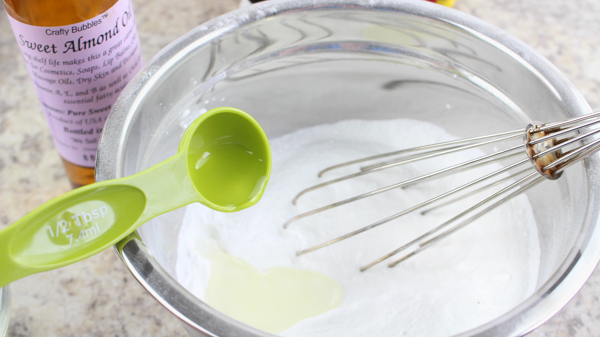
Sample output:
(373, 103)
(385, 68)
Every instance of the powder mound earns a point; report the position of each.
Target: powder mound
(463, 281)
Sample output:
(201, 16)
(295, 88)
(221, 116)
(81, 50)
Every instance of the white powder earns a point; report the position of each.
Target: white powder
(463, 281)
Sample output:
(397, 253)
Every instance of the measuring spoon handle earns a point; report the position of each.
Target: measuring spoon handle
(89, 219)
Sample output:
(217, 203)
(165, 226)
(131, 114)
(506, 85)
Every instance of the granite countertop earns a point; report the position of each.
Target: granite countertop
(98, 296)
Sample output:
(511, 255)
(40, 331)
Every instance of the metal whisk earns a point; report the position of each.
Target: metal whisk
(549, 149)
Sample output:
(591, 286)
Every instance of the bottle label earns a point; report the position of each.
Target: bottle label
(78, 72)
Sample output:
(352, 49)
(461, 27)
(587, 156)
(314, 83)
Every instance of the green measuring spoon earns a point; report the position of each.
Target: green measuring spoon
(224, 162)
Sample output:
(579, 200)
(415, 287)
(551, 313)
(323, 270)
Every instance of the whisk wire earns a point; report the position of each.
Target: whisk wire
(437, 146)
(393, 163)
(557, 125)
(479, 141)
(413, 208)
(571, 158)
(479, 214)
(397, 185)
(481, 189)
(431, 236)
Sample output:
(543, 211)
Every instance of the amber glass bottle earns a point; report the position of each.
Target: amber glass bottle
(80, 54)
(49, 13)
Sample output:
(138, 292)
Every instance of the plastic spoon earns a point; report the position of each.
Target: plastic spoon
(224, 162)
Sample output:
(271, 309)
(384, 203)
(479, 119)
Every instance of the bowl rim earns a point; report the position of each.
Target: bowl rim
(548, 299)
(4, 310)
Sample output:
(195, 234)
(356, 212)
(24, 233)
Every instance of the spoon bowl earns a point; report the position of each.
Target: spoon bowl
(230, 149)
(224, 162)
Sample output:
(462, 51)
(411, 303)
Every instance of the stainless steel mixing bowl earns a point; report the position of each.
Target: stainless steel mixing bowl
(295, 64)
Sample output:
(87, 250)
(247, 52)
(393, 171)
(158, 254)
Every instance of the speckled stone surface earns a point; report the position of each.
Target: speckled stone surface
(98, 296)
